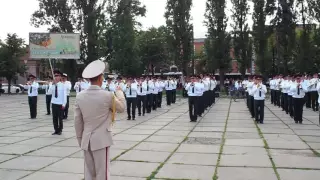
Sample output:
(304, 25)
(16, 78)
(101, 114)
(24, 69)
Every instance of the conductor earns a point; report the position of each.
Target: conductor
(93, 117)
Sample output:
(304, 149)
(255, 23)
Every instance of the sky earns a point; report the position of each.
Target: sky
(15, 16)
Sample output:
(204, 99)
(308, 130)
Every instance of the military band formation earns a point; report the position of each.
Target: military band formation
(98, 100)
(289, 92)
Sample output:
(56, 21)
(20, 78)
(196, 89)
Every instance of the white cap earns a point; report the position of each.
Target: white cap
(94, 69)
(65, 75)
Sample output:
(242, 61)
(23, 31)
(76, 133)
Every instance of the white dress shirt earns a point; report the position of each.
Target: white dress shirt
(161, 86)
(277, 84)
(61, 98)
(174, 84)
(150, 87)
(201, 86)
(213, 84)
(111, 87)
(68, 86)
(206, 83)
(298, 93)
(47, 87)
(193, 90)
(318, 89)
(155, 88)
(284, 86)
(133, 93)
(249, 88)
(259, 93)
(168, 85)
(77, 87)
(313, 84)
(289, 84)
(271, 84)
(142, 89)
(34, 92)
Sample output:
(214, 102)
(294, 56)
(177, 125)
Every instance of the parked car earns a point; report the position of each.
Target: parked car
(19, 86)
(13, 89)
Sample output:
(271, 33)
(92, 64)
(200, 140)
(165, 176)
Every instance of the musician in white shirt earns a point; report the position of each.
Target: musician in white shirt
(313, 92)
(193, 89)
(251, 98)
(306, 81)
(33, 96)
(290, 98)
(68, 86)
(142, 95)
(298, 90)
(130, 91)
(47, 87)
(213, 85)
(154, 93)
(200, 93)
(174, 90)
(58, 102)
(150, 87)
(259, 91)
(169, 86)
(77, 86)
(272, 89)
(284, 97)
(160, 90)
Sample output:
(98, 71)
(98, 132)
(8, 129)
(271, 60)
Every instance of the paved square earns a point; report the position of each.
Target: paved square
(165, 145)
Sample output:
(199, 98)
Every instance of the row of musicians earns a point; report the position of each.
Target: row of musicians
(201, 95)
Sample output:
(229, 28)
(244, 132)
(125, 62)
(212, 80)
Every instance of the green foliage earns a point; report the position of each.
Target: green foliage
(218, 40)
(260, 34)
(153, 49)
(180, 31)
(125, 59)
(241, 34)
(10, 52)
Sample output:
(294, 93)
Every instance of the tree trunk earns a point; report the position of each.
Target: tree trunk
(9, 84)
(222, 76)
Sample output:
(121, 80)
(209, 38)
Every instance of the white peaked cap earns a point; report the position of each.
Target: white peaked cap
(94, 69)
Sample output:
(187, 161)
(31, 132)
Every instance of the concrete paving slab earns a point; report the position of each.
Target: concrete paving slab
(67, 165)
(165, 139)
(9, 174)
(53, 176)
(194, 159)
(293, 161)
(31, 163)
(144, 156)
(179, 171)
(199, 148)
(153, 146)
(244, 142)
(252, 160)
(298, 174)
(239, 173)
(132, 169)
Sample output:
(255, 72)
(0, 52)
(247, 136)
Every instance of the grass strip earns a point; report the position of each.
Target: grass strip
(266, 146)
(215, 175)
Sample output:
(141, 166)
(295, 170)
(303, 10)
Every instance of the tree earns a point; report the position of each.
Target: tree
(153, 48)
(125, 58)
(180, 32)
(241, 34)
(10, 52)
(304, 44)
(284, 24)
(218, 40)
(260, 35)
